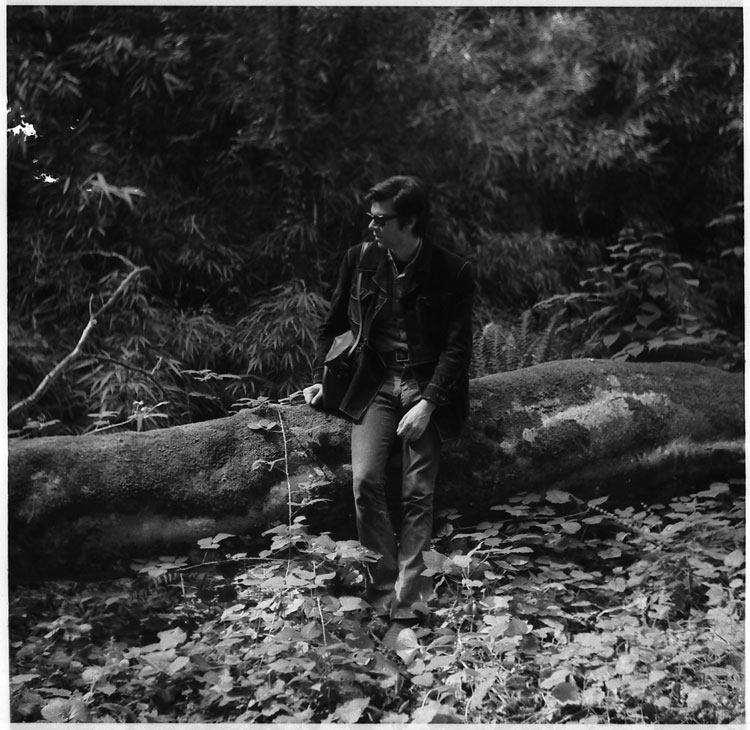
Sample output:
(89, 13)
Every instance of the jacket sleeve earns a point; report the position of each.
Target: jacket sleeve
(336, 320)
(453, 361)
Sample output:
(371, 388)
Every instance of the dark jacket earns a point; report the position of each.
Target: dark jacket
(437, 310)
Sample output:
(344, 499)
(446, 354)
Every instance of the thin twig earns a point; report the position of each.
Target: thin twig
(149, 375)
(322, 622)
(288, 486)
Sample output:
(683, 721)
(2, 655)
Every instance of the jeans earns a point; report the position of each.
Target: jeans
(395, 586)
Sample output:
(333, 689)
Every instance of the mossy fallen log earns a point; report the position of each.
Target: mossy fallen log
(591, 427)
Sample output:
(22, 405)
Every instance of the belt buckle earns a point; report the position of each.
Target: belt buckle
(402, 357)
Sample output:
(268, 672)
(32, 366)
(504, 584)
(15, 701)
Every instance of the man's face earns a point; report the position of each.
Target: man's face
(385, 230)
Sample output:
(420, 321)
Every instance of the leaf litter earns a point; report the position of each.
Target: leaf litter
(557, 611)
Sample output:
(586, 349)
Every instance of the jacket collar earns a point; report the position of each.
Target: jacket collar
(374, 261)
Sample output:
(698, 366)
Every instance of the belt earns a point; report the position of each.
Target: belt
(395, 357)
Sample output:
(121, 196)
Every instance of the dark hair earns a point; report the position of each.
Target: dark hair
(410, 200)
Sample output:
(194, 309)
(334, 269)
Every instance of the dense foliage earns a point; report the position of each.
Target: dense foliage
(553, 610)
(226, 149)
(588, 161)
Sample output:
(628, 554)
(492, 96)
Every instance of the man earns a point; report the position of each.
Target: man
(410, 302)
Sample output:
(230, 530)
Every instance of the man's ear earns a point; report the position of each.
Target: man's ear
(409, 225)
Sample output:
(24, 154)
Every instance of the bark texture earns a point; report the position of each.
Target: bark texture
(589, 426)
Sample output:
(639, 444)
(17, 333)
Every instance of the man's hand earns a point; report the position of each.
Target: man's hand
(415, 420)
(314, 395)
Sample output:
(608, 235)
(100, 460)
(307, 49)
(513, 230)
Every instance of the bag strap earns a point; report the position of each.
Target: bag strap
(355, 344)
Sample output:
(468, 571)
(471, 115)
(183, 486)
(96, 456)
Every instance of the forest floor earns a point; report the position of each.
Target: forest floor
(550, 611)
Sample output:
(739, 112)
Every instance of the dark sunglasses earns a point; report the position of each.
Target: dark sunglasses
(380, 220)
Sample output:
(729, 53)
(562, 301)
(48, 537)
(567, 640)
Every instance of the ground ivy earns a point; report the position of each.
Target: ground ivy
(554, 610)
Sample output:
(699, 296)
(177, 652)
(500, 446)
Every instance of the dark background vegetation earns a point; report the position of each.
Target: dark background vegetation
(588, 162)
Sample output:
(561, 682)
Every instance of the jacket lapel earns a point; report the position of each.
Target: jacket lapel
(422, 268)
(374, 267)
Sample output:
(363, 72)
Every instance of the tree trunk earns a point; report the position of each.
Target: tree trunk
(588, 426)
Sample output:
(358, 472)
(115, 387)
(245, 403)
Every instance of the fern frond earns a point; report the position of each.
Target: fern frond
(493, 343)
(525, 338)
(478, 365)
(512, 355)
(543, 349)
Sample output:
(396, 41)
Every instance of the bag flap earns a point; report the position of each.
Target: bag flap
(340, 347)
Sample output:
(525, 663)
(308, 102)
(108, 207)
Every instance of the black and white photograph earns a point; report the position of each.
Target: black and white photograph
(375, 364)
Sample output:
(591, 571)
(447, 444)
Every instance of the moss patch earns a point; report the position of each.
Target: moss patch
(555, 442)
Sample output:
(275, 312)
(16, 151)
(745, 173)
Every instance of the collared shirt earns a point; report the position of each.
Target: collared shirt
(389, 329)
(402, 276)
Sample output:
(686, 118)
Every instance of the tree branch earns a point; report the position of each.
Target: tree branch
(22, 406)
